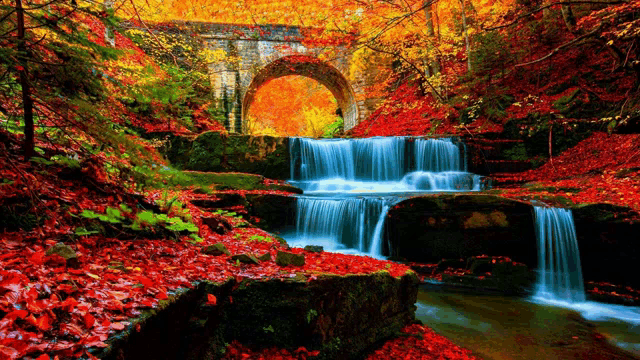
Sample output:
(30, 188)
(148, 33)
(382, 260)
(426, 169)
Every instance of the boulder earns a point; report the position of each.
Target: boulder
(276, 212)
(218, 224)
(608, 243)
(212, 151)
(216, 250)
(429, 228)
(314, 248)
(64, 251)
(284, 258)
(265, 257)
(246, 259)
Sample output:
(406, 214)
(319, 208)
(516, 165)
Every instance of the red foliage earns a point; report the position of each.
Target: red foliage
(47, 307)
(601, 168)
(421, 343)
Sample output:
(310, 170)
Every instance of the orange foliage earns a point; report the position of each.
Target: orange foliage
(292, 106)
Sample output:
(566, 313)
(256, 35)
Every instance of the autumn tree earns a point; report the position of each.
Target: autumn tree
(47, 57)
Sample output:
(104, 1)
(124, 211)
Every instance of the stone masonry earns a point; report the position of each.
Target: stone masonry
(267, 52)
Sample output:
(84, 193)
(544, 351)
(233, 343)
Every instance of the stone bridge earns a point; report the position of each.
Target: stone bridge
(266, 52)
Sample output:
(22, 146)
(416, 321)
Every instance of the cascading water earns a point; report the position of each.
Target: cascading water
(381, 165)
(560, 281)
(350, 184)
(560, 274)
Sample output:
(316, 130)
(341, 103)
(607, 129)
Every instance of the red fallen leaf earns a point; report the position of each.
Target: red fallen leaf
(89, 320)
(211, 300)
(71, 329)
(66, 288)
(43, 357)
(117, 326)
(8, 353)
(145, 281)
(21, 314)
(162, 295)
(38, 258)
(137, 327)
(69, 304)
(43, 322)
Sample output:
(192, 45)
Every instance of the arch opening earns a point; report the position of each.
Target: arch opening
(309, 67)
(293, 106)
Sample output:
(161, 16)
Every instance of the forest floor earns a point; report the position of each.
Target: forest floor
(602, 168)
(54, 307)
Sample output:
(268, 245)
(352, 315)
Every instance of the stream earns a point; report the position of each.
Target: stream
(350, 184)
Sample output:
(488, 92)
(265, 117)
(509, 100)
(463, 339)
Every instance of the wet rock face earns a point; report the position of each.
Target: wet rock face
(608, 244)
(430, 228)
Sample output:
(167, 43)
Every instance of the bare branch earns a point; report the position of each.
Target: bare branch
(563, 46)
(576, 2)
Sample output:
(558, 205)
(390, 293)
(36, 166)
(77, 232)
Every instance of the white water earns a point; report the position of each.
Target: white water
(380, 165)
(560, 280)
(349, 185)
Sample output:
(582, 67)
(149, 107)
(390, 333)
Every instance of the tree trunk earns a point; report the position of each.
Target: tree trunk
(466, 35)
(432, 66)
(109, 36)
(568, 17)
(27, 101)
(427, 15)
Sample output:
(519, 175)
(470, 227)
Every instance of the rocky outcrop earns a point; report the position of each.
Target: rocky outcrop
(430, 228)
(341, 316)
(215, 152)
(276, 212)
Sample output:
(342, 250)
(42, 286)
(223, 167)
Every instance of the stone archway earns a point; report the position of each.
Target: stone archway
(310, 67)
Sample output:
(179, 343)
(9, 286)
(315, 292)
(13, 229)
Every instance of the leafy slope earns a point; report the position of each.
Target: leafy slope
(603, 168)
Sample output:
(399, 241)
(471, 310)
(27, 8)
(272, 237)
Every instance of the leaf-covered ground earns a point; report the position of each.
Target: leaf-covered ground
(602, 168)
(416, 342)
(51, 307)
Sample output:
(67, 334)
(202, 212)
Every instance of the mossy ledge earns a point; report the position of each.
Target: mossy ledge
(214, 152)
(341, 316)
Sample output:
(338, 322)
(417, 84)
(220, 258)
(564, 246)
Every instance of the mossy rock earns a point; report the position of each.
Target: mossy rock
(341, 316)
(276, 212)
(265, 257)
(64, 251)
(284, 258)
(246, 259)
(216, 250)
(429, 228)
(215, 152)
(314, 248)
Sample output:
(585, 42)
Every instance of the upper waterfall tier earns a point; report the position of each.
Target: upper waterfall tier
(381, 164)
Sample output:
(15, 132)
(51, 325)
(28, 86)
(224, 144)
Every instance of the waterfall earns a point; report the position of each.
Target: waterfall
(342, 223)
(560, 274)
(560, 281)
(350, 184)
(438, 155)
(381, 164)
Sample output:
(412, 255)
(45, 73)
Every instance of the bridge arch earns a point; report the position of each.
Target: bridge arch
(311, 67)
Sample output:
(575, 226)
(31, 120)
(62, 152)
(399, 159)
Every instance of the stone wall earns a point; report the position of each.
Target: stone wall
(341, 316)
